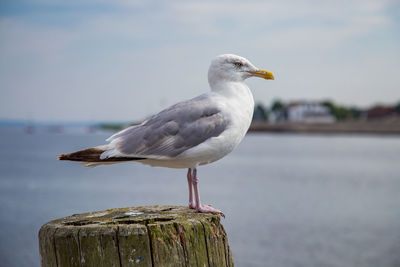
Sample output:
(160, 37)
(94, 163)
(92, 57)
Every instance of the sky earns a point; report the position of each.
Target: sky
(125, 60)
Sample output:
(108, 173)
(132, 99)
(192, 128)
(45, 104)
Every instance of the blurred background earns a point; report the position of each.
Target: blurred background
(316, 181)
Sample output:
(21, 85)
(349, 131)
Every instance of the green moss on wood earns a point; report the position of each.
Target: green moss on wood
(46, 246)
(136, 236)
(134, 245)
(67, 246)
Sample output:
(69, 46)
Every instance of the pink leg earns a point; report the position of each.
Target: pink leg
(199, 207)
(190, 184)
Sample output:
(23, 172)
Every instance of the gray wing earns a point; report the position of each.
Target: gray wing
(173, 130)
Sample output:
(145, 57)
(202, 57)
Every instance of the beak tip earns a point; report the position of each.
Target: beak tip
(270, 76)
(267, 75)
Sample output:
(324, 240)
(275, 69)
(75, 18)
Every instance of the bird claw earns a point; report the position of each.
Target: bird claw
(209, 209)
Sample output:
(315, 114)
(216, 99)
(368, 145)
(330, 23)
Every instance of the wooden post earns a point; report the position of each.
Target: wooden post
(136, 236)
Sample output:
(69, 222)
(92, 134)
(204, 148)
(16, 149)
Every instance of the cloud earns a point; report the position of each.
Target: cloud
(335, 20)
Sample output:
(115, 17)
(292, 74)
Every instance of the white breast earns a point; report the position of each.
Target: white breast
(239, 107)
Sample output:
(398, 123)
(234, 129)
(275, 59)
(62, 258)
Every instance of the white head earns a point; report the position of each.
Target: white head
(233, 68)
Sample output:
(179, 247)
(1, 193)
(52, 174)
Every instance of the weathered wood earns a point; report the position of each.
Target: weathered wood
(136, 236)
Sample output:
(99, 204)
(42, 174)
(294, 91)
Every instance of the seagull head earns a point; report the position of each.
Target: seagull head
(233, 68)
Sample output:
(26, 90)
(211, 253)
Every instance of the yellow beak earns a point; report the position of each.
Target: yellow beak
(263, 74)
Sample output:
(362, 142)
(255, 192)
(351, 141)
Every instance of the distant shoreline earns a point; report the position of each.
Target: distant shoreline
(391, 127)
(381, 127)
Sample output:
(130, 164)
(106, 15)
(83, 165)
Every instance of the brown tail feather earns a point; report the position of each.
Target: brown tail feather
(93, 155)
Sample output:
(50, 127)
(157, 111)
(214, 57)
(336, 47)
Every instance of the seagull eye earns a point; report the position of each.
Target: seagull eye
(238, 64)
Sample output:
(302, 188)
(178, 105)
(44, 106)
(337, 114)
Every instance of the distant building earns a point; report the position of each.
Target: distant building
(277, 116)
(308, 112)
(380, 112)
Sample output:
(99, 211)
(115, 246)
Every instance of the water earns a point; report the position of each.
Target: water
(289, 200)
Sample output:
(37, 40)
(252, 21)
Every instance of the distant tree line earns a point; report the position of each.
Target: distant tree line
(340, 112)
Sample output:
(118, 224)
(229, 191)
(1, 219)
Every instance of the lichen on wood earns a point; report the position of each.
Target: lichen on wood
(136, 236)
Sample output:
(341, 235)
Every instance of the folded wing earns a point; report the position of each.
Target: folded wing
(170, 132)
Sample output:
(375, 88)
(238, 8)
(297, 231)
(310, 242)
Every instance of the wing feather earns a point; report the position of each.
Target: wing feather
(172, 131)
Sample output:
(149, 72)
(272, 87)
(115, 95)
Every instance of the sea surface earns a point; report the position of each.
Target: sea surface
(289, 200)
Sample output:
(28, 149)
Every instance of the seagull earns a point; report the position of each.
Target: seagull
(191, 133)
